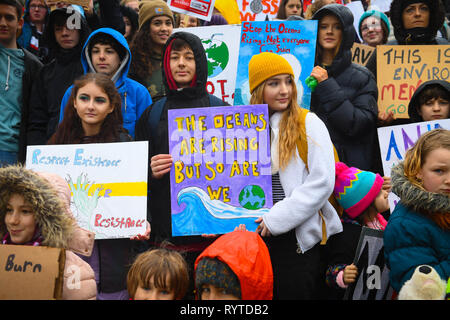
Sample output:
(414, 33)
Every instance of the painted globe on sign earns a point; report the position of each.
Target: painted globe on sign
(252, 197)
(217, 55)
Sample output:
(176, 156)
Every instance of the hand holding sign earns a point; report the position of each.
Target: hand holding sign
(160, 165)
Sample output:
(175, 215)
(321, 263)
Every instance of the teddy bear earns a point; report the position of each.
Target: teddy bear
(425, 284)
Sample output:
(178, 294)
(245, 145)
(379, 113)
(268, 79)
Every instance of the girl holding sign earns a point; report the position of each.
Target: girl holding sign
(294, 227)
(93, 115)
(418, 231)
(345, 98)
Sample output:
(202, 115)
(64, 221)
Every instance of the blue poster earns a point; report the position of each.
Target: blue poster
(293, 40)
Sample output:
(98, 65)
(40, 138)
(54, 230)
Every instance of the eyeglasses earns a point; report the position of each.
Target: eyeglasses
(37, 6)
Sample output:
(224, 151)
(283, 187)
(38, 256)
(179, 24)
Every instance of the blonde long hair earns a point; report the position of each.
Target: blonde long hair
(291, 128)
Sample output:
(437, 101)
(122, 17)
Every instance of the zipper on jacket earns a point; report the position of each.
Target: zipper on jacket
(299, 249)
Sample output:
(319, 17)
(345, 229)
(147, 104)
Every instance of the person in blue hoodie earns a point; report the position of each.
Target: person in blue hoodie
(106, 51)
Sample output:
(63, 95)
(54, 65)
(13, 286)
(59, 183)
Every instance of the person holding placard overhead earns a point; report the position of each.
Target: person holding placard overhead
(35, 211)
(345, 98)
(93, 115)
(301, 219)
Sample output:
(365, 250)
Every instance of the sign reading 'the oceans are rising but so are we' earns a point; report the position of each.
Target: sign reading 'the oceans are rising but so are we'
(221, 174)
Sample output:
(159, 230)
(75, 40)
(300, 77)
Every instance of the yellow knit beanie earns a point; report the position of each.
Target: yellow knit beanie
(265, 65)
(150, 8)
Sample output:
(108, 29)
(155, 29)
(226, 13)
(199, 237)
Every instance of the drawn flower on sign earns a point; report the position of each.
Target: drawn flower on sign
(84, 203)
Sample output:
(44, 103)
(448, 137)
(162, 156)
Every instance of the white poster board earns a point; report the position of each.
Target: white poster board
(357, 9)
(221, 44)
(396, 140)
(380, 5)
(108, 183)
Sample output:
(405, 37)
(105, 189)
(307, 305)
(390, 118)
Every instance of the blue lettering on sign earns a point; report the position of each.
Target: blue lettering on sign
(393, 145)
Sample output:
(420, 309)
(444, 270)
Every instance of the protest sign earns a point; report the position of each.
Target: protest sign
(361, 53)
(293, 40)
(222, 51)
(394, 141)
(82, 3)
(401, 69)
(221, 174)
(108, 183)
(202, 9)
(31, 273)
(258, 10)
(307, 3)
(372, 282)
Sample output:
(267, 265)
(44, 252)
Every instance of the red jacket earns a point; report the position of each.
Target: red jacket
(247, 255)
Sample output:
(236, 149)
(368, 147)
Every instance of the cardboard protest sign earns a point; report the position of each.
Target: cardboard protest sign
(31, 273)
(222, 51)
(361, 53)
(82, 3)
(201, 9)
(293, 40)
(394, 141)
(221, 174)
(258, 10)
(373, 274)
(401, 69)
(108, 183)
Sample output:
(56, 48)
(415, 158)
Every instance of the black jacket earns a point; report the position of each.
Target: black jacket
(53, 81)
(32, 69)
(347, 101)
(159, 189)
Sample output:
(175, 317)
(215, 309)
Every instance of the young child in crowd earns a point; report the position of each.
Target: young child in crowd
(33, 213)
(294, 229)
(236, 266)
(158, 274)
(363, 197)
(418, 232)
(430, 101)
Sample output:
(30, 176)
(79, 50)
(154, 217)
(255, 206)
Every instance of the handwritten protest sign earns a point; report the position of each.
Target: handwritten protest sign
(293, 40)
(373, 274)
(394, 141)
(403, 68)
(258, 10)
(221, 175)
(361, 53)
(222, 51)
(31, 273)
(82, 3)
(108, 183)
(202, 9)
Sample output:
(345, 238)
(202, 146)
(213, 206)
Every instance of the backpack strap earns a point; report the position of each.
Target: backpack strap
(302, 147)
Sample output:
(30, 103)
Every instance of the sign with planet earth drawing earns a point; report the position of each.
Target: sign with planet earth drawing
(221, 173)
(221, 45)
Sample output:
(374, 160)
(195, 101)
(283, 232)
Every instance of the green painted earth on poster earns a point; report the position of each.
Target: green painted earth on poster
(252, 197)
(217, 55)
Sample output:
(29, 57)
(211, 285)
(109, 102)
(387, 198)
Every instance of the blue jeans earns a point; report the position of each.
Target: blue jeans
(7, 158)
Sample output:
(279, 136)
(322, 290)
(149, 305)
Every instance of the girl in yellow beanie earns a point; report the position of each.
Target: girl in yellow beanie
(293, 228)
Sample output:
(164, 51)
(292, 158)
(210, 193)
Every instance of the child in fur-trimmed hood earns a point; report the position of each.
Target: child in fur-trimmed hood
(418, 231)
(33, 212)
